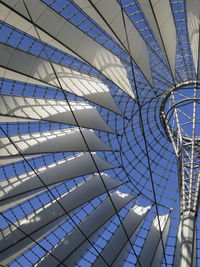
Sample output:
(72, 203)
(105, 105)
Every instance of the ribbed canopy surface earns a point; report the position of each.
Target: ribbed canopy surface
(88, 171)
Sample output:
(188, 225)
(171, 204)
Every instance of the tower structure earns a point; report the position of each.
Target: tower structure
(100, 125)
(180, 119)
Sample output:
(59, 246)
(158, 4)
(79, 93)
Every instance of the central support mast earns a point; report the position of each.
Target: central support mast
(181, 122)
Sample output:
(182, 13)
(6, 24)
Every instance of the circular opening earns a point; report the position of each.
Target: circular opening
(180, 111)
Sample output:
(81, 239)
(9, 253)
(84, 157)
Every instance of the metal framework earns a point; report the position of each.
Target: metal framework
(181, 120)
(99, 133)
(179, 113)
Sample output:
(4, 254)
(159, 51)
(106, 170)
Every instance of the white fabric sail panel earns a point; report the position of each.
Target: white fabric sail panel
(86, 6)
(13, 75)
(18, 248)
(159, 15)
(89, 226)
(121, 258)
(14, 190)
(85, 86)
(113, 249)
(151, 251)
(13, 119)
(86, 191)
(48, 21)
(14, 159)
(10, 254)
(82, 249)
(71, 167)
(74, 257)
(79, 252)
(52, 110)
(45, 219)
(20, 66)
(10, 203)
(145, 6)
(14, 13)
(26, 65)
(193, 22)
(159, 252)
(112, 16)
(69, 140)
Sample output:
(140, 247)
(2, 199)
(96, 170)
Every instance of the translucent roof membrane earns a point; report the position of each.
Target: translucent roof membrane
(88, 171)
